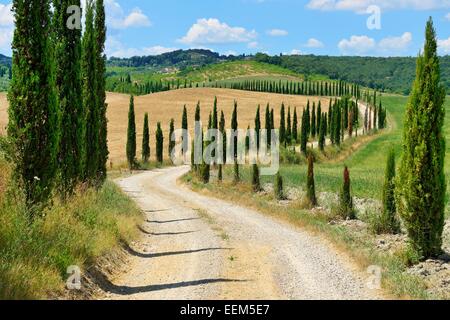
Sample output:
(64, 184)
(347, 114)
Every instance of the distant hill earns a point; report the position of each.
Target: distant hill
(4, 60)
(177, 59)
(394, 74)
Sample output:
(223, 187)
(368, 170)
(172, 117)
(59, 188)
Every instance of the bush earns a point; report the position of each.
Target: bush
(346, 209)
(256, 184)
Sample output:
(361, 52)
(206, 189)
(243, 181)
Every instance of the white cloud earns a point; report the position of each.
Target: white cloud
(6, 16)
(395, 44)
(361, 5)
(136, 19)
(314, 43)
(212, 31)
(117, 18)
(357, 45)
(389, 46)
(448, 16)
(277, 33)
(296, 52)
(444, 46)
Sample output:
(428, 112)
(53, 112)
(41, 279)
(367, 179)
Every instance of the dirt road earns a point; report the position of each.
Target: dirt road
(195, 247)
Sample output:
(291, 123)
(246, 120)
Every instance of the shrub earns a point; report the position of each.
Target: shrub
(256, 184)
(278, 187)
(310, 187)
(346, 209)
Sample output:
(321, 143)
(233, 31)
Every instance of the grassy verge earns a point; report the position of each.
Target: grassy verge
(359, 246)
(34, 256)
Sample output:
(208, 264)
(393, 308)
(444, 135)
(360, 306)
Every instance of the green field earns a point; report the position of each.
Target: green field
(367, 164)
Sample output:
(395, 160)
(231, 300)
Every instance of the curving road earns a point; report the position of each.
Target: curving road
(196, 247)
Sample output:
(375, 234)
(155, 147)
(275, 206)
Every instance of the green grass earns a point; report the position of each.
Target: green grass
(34, 256)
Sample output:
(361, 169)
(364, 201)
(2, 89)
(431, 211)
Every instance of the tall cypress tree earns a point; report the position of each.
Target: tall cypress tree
(100, 85)
(313, 121)
(171, 132)
(268, 126)
(33, 116)
(224, 135)
(422, 186)
(289, 128)
(90, 101)
(389, 219)
(159, 143)
(258, 125)
(282, 125)
(185, 127)
(304, 133)
(322, 133)
(310, 186)
(67, 44)
(295, 126)
(131, 136)
(234, 126)
(146, 140)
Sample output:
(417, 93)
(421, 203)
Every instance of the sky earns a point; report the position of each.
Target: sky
(321, 27)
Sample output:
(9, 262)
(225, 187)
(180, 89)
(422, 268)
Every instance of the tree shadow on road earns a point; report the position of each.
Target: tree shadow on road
(171, 221)
(171, 253)
(165, 233)
(126, 290)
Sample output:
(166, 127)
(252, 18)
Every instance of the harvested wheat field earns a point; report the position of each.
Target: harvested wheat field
(164, 106)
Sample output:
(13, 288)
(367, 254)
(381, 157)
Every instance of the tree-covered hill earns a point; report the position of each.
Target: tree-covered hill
(394, 74)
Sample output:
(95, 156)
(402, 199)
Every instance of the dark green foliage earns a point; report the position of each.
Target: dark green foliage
(90, 100)
(322, 132)
(234, 126)
(278, 187)
(171, 133)
(131, 136)
(205, 172)
(100, 87)
(33, 116)
(67, 46)
(421, 186)
(237, 176)
(159, 143)
(310, 184)
(295, 126)
(256, 184)
(389, 222)
(146, 140)
(184, 126)
(289, 128)
(313, 121)
(258, 126)
(304, 133)
(220, 173)
(268, 126)
(282, 125)
(224, 136)
(346, 209)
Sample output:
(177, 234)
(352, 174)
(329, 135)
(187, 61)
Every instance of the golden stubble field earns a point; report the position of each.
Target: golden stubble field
(164, 106)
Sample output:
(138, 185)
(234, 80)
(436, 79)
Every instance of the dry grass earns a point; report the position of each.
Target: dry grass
(167, 105)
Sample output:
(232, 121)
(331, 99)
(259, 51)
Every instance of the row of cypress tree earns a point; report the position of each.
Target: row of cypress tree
(57, 115)
(309, 88)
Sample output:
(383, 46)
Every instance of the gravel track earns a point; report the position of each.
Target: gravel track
(196, 247)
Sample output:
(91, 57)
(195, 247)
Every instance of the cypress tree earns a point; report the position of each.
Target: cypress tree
(295, 126)
(256, 184)
(171, 133)
(390, 223)
(310, 186)
(224, 136)
(322, 133)
(345, 199)
(319, 117)
(278, 187)
(146, 140)
(131, 136)
(234, 126)
(282, 125)
(67, 44)
(90, 100)
(304, 134)
(185, 127)
(289, 128)
(159, 143)
(257, 126)
(313, 121)
(422, 184)
(33, 116)
(268, 127)
(308, 120)
(100, 85)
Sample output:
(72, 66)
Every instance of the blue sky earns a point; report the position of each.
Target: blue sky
(326, 27)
